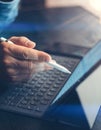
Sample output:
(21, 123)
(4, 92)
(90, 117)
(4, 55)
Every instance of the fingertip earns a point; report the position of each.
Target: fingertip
(48, 57)
(31, 44)
(43, 56)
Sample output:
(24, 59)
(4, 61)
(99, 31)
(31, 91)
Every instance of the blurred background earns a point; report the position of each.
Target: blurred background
(91, 5)
(44, 21)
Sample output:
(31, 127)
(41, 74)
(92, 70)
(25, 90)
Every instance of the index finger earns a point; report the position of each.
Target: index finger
(23, 41)
(25, 53)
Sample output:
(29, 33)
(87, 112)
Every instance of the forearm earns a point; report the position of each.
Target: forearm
(8, 12)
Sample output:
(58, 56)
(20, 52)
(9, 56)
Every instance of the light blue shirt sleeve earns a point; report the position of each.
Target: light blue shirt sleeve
(8, 12)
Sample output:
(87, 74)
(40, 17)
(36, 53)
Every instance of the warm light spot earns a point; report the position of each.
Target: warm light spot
(93, 6)
(96, 4)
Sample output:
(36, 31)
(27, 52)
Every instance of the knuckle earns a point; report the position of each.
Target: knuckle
(8, 71)
(25, 54)
(12, 74)
(6, 62)
(30, 66)
(12, 78)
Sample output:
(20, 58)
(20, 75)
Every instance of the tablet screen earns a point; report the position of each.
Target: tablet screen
(89, 92)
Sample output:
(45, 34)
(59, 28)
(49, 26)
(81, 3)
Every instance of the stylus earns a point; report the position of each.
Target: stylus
(2, 39)
(51, 63)
(58, 67)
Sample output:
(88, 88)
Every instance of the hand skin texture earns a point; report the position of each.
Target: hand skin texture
(19, 61)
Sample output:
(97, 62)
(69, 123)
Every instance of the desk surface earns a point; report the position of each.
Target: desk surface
(9, 121)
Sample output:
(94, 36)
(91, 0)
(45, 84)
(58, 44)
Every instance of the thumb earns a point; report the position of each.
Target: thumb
(23, 41)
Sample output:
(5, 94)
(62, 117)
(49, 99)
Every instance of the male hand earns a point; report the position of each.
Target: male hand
(19, 61)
